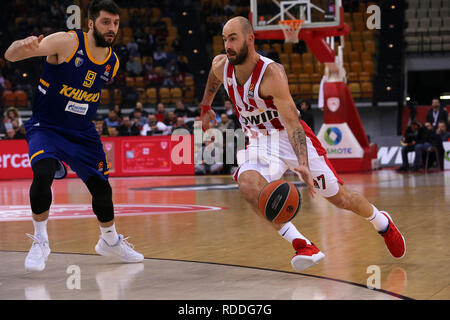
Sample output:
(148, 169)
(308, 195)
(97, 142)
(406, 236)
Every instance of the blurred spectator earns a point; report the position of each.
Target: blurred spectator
(20, 133)
(160, 112)
(113, 131)
(416, 140)
(306, 114)
(138, 119)
(140, 107)
(100, 126)
(225, 123)
(10, 133)
(11, 114)
(436, 114)
(133, 48)
(113, 119)
(180, 124)
(171, 119)
(181, 110)
(118, 110)
(159, 58)
(153, 126)
(153, 79)
(442, 131)
(208, 154)
(167, 80)
(134, 67)
(128, 128)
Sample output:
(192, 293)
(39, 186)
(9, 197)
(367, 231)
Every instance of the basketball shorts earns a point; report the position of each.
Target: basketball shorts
(81, 150)
(273, 155)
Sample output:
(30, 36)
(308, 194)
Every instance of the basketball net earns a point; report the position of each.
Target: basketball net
(291, 28)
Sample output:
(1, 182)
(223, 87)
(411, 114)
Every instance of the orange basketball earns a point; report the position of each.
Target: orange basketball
(279, 201)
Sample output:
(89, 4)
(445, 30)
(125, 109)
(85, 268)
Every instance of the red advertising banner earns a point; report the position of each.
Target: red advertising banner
(127, 156)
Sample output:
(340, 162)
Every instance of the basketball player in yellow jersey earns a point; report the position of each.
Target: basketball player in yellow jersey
(260, 93)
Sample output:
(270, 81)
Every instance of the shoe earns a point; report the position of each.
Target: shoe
(393, 238)
(306, 255)
(123, 250)
(38, 254)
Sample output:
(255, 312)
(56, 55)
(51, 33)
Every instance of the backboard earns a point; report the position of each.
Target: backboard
(317, 14)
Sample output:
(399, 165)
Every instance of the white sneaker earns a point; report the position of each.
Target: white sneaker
(123, 250)
(38, 254)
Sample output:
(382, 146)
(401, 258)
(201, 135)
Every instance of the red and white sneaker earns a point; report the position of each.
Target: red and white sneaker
(306, 255)
(394, 239)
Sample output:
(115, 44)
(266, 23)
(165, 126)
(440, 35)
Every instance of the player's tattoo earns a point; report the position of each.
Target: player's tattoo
(298, 141)
(213, 83)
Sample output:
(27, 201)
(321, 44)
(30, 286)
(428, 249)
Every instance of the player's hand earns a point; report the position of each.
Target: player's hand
(307, 178)
(206, 119)
(32, 42)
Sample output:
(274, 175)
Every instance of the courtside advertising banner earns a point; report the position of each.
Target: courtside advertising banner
(339, 141)
(127, 156)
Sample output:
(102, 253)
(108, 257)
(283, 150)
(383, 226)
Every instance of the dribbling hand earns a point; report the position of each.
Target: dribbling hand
(307, 178)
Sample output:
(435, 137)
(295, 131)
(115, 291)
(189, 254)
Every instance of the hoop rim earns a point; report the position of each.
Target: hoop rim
(296, 23)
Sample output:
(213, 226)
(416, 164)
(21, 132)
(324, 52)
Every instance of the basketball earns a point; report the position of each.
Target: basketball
(279, 201)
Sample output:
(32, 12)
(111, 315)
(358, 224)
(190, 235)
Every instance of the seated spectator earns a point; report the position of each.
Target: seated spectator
(134, 67)
(10, 133)
(140, 107)
(180, 124)
(20, 133)
(112, 120)
(138, 119)
(416, 140)
(181, 110)
(153, 126)
(152, 78)
(133, 48)
(118, 110)
(100, 126)
(229, 111)
(160, 112)
(159, 58)
(436, 113)
(178, 78)
(306, 114)
(113, 131)
(11, 114)
(442, 131)
(167, 79)
(171, 119)
(128, 128)
(225, 123)
(205, 162)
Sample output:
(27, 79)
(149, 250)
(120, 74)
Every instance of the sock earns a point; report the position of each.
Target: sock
(40, 228)
(109, 234)
(379, 220)
(290, 232)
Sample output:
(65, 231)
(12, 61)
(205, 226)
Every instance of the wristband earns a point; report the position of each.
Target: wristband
(205, 108)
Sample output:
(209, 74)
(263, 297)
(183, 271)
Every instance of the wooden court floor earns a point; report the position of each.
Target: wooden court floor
(202, 241)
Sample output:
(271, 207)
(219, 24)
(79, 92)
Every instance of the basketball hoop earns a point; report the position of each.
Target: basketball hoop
(291, 28)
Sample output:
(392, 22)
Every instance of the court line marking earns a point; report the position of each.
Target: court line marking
(397, 295)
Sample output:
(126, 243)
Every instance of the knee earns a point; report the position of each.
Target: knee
(345, 200)
(248, 189)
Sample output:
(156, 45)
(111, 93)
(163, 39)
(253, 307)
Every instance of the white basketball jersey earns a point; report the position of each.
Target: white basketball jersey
(257, 116)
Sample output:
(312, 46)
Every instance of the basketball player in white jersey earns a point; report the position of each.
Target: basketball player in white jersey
(278, 141)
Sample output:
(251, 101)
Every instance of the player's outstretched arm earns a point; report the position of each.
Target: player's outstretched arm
(60, 44)
(212, 86)
(275, 84)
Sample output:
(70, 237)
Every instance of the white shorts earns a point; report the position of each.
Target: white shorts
(273, 155)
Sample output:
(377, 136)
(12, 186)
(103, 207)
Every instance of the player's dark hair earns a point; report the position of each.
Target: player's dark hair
(98, 5)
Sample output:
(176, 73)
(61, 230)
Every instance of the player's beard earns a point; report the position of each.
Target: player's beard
(100, 39)
(240, 57)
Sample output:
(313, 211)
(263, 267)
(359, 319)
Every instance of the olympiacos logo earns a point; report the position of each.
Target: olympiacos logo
(333, 104)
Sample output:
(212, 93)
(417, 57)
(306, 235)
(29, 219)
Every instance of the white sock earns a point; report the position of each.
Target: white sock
(109, 234)
(40, 228)
(290, 232)
(379, 220)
